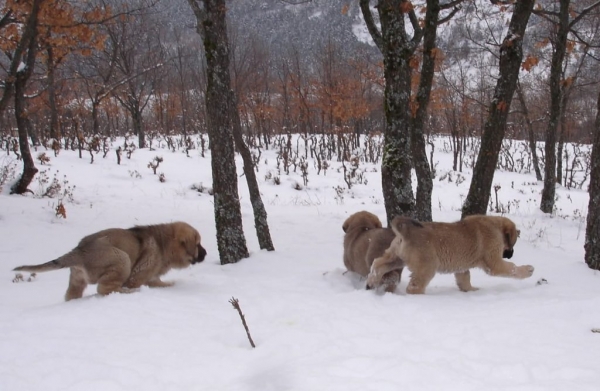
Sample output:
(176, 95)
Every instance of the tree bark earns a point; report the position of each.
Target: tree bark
(260, 213)
(592, 231)
(418, 146)
(54, 129)
(561, 136)
(556, 91)
(511, 55)
(228, 216)
(397, 50)
(136, 118)
(29, 169)
(22, 75)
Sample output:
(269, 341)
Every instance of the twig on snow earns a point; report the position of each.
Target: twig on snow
(236, 304)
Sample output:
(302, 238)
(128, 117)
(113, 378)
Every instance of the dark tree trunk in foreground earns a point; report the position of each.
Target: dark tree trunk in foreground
(556, 91)
(21, 74)
(511, 55)
(210, 15)
(260, 213)
(418, 146)
(592, 231)
(29, 169)
(397, 49)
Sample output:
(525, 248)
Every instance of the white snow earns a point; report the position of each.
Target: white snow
(315, 327)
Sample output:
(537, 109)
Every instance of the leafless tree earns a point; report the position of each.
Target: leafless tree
(592, 232)
(511, 55)
(224, 128)
(421, 103)
(22, 64)
(397, 48)
(563, 24)
(140, 59)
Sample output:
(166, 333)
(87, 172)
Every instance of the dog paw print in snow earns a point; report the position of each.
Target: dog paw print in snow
(541, 281)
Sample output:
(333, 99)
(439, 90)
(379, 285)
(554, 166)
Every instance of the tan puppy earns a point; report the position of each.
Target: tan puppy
(119, 260)
(430, 248)
(364, 241)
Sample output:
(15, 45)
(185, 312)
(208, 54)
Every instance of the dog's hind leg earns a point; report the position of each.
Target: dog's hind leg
(112, 279)
(77, 284)
(463, 280)
(420, 278)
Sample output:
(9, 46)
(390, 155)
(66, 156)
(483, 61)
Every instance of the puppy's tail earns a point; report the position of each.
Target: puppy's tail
(403, 225)
(66, 260)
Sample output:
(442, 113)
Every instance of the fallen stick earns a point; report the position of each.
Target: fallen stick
(236, 304)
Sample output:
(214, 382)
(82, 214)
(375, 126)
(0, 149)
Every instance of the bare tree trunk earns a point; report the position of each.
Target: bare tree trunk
(136, 119)
(28, 43)
(530, 134)
(95, 122)
(29, 169)
(556, 91)
(418, 146)
(592, 232)
(397, 50)
(511, 55)
(212, 27)
(561, 136)
(260, 213)
(54, 129)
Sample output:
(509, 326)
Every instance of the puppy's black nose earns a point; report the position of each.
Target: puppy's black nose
(201, 254)
(508, 253)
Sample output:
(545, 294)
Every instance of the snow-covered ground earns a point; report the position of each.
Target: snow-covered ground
(315, 327)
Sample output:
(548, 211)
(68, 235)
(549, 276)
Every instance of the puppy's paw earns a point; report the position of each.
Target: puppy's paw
(414, 288)
(372, 281)
(524, 271)
(160, 284)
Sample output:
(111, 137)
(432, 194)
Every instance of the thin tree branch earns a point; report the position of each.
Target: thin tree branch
(452, 4)
(370, 22)
(200, 14)
(236, 304)
(416, 27)
(583, 13)
(448, 17)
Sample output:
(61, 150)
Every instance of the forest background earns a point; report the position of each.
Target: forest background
(76, 76)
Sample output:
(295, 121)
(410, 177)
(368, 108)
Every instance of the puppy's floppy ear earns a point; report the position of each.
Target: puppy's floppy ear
(377, 223)
(511, 233)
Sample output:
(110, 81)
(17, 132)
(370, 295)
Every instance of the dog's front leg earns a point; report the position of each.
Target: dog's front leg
(503, 268)
(463, 280)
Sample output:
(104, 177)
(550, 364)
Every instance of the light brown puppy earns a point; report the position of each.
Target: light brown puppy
(119, 260)
(365, 240)
(430, 248)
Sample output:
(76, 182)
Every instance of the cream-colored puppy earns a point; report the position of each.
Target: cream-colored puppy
(430, 248)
